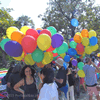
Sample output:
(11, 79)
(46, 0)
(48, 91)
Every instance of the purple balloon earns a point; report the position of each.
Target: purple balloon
(13, 48)
(74, 62)
(71, 40)
(38, 31)
(57, 40)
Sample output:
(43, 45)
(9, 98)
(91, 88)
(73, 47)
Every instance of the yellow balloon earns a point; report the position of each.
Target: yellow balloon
(19, 58)
(63, 55)
(24, 29)
(85, 41)
(83, 54)
(44, 42)
(94, 48)
(88, 50)
(48, 57)
(92, 33)
(28, 60)
(78, 33)
(10, 30)
(81, 73)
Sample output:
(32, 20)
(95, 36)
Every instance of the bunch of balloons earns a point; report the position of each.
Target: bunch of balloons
(34, 46)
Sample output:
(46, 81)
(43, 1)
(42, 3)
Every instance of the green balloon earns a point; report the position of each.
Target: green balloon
(63, 48)
(37, 55)
(73, 44)
(80, 65)
(52, 30)
(3, 42)
(54, 58)
(54, 51)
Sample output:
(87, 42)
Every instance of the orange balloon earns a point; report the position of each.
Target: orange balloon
(84, 33)
(17, 36)
(81, 57)
(40, 64)
(77, 38)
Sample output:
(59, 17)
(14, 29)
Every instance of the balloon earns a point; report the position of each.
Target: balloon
(74, 62)
(3, 42)
(44, 42)
(80, 65)
(29, 44)
(40, 65)
(37, 55)
(80, 47)
(33, 33)
(17, 36)
(59, 57)
(63, 48)
(54, 58)
(74, 22)
(88, 50)
(71, 39)
(84, 33)
(93, 41)
(10, 30)
(54, 51)
(57, 40)
(78, 52)
(92, 33)
(94, 48)
(39, 29)
(45, 31)
(28, 60)
(77, 38)
(50, 49)
(65, 65)
(55, 54)
(48, 57)
(85, 41)
(67, 58)
(24, 29)
(63, 55)
(52, 30)
(13, 48)
(72, 52)
(81, 73)
(20, 57)
(78, 33)
(73, 44)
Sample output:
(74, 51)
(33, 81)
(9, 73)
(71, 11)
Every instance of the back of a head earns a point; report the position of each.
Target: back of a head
(87, 60)
(79, 60)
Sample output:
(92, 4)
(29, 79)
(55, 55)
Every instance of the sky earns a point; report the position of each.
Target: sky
(31, 8)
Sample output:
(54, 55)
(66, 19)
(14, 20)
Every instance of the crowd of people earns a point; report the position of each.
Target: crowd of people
(22, 84)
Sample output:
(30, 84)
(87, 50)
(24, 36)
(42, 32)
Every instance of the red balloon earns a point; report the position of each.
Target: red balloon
(29, 44)
(50, 49)
(59, 57)
(80, 47)
(45, 31)
(32, 32)
(55, 54)
(53, 62)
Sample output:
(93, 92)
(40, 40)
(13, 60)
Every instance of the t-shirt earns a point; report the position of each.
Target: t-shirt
(61, 75)
(48, 92)
(90, 77)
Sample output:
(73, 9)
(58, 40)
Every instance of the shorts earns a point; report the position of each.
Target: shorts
(91, 90)
(82, 81)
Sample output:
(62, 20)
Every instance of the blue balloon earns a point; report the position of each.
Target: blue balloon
(65, 65)
(65, 90)
(72, 51)
(97, 75)
(67, 58)
(93, 41)
(13, 48)
(38, 31)
(74, 22)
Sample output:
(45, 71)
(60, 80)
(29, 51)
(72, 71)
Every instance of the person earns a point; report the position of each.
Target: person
(13, 79)
(30, 91)
(90, 78)
(49, 87)
(60, 78)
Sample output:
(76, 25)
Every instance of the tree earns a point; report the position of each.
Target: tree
(60, 13)
(24, 20)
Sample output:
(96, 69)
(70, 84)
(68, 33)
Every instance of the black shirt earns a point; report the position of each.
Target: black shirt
(61, 75)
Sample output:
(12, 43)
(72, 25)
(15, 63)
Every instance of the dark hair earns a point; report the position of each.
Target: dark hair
(70, 64)
(10, 70)
(87, 60)
(16, 69)
(79, 60)
(22, 74)
(49, 75)
(12, 63)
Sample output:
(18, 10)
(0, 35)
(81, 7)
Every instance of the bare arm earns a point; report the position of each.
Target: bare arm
(58, 80)
(18, 85)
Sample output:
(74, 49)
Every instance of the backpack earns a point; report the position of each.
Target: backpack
(3, 80)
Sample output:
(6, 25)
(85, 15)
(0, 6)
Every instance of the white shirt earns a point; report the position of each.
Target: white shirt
(49, 92)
